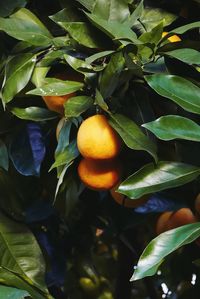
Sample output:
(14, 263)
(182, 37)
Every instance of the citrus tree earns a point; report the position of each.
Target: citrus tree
(99, 148)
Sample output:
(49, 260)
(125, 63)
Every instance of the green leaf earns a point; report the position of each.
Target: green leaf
(151, 178)
(39, 74)
(34, 113)
(189, 56)
(25, 30)
(67, 156)
(132, 20)
(173, 126)
(18, 72)
(89, 4)
(181, 91)
(131, 134)
(75, 106)
(4, 161)
(160, 247)
(99, 55)
(78, 64)
(100, 101)
(8, 6)
(25, 14)
(10, 278)
(109, 79)
(12, 293)
(20, 253)
(185, 28)
(112, 10)
(113, 29)
(56, 87)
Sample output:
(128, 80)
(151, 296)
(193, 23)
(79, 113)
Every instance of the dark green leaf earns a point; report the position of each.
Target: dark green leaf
(164, 175)
(136, 14)
(189, 56)
(131, 134)
(185, 28)
(4, 161)
(18, 72)
(87, 4)
(34, 113)
(56, 87)
(25, 30)
(114, 29)
(8, 6)
(173, 126)
(67, 156)
(181, 91)
(155, 253)
(12, 293)
(110, 76)
(78, 64)
(20, 253)
(111, 10)
(99, 55)
(27, 15)
(75, 106)
(100, 101)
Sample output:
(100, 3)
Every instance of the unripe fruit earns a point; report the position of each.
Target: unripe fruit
(97, 140)
(99, 175)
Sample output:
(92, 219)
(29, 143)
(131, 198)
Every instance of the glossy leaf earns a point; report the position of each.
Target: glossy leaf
(160, 247)
(181, 91)
(99, 100)
(56, 87)
(67, 156)
(75, 106)
(131, 134)
(27, 150)
(113, 29)
(20, 253)
(11, 278)
(4, 161)
(109, 79)
(189, 56)
(111, 10)
(185, 28)
(97, 56)
(136, 14)
(39, 74)
(12, 293)
(171, 127)
(25, 30)
(151, 178)
(17, 74)
(87, 4)
(8, 6)
(25, 14)
(34, 113)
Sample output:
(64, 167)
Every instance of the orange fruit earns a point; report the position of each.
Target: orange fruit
(162, 222)
(99, 175)
(170, 220)
(96, 139)
(56, 103)
(197, 204)
(181, 217)
(59, 127)
(173, 38)
(126, 202)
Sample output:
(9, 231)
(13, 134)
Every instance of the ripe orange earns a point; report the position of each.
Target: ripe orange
(96, 139)
(99, 175)
(173, 38)
(55, 103)
(170, 220)
(126, 202)
(162, 222)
